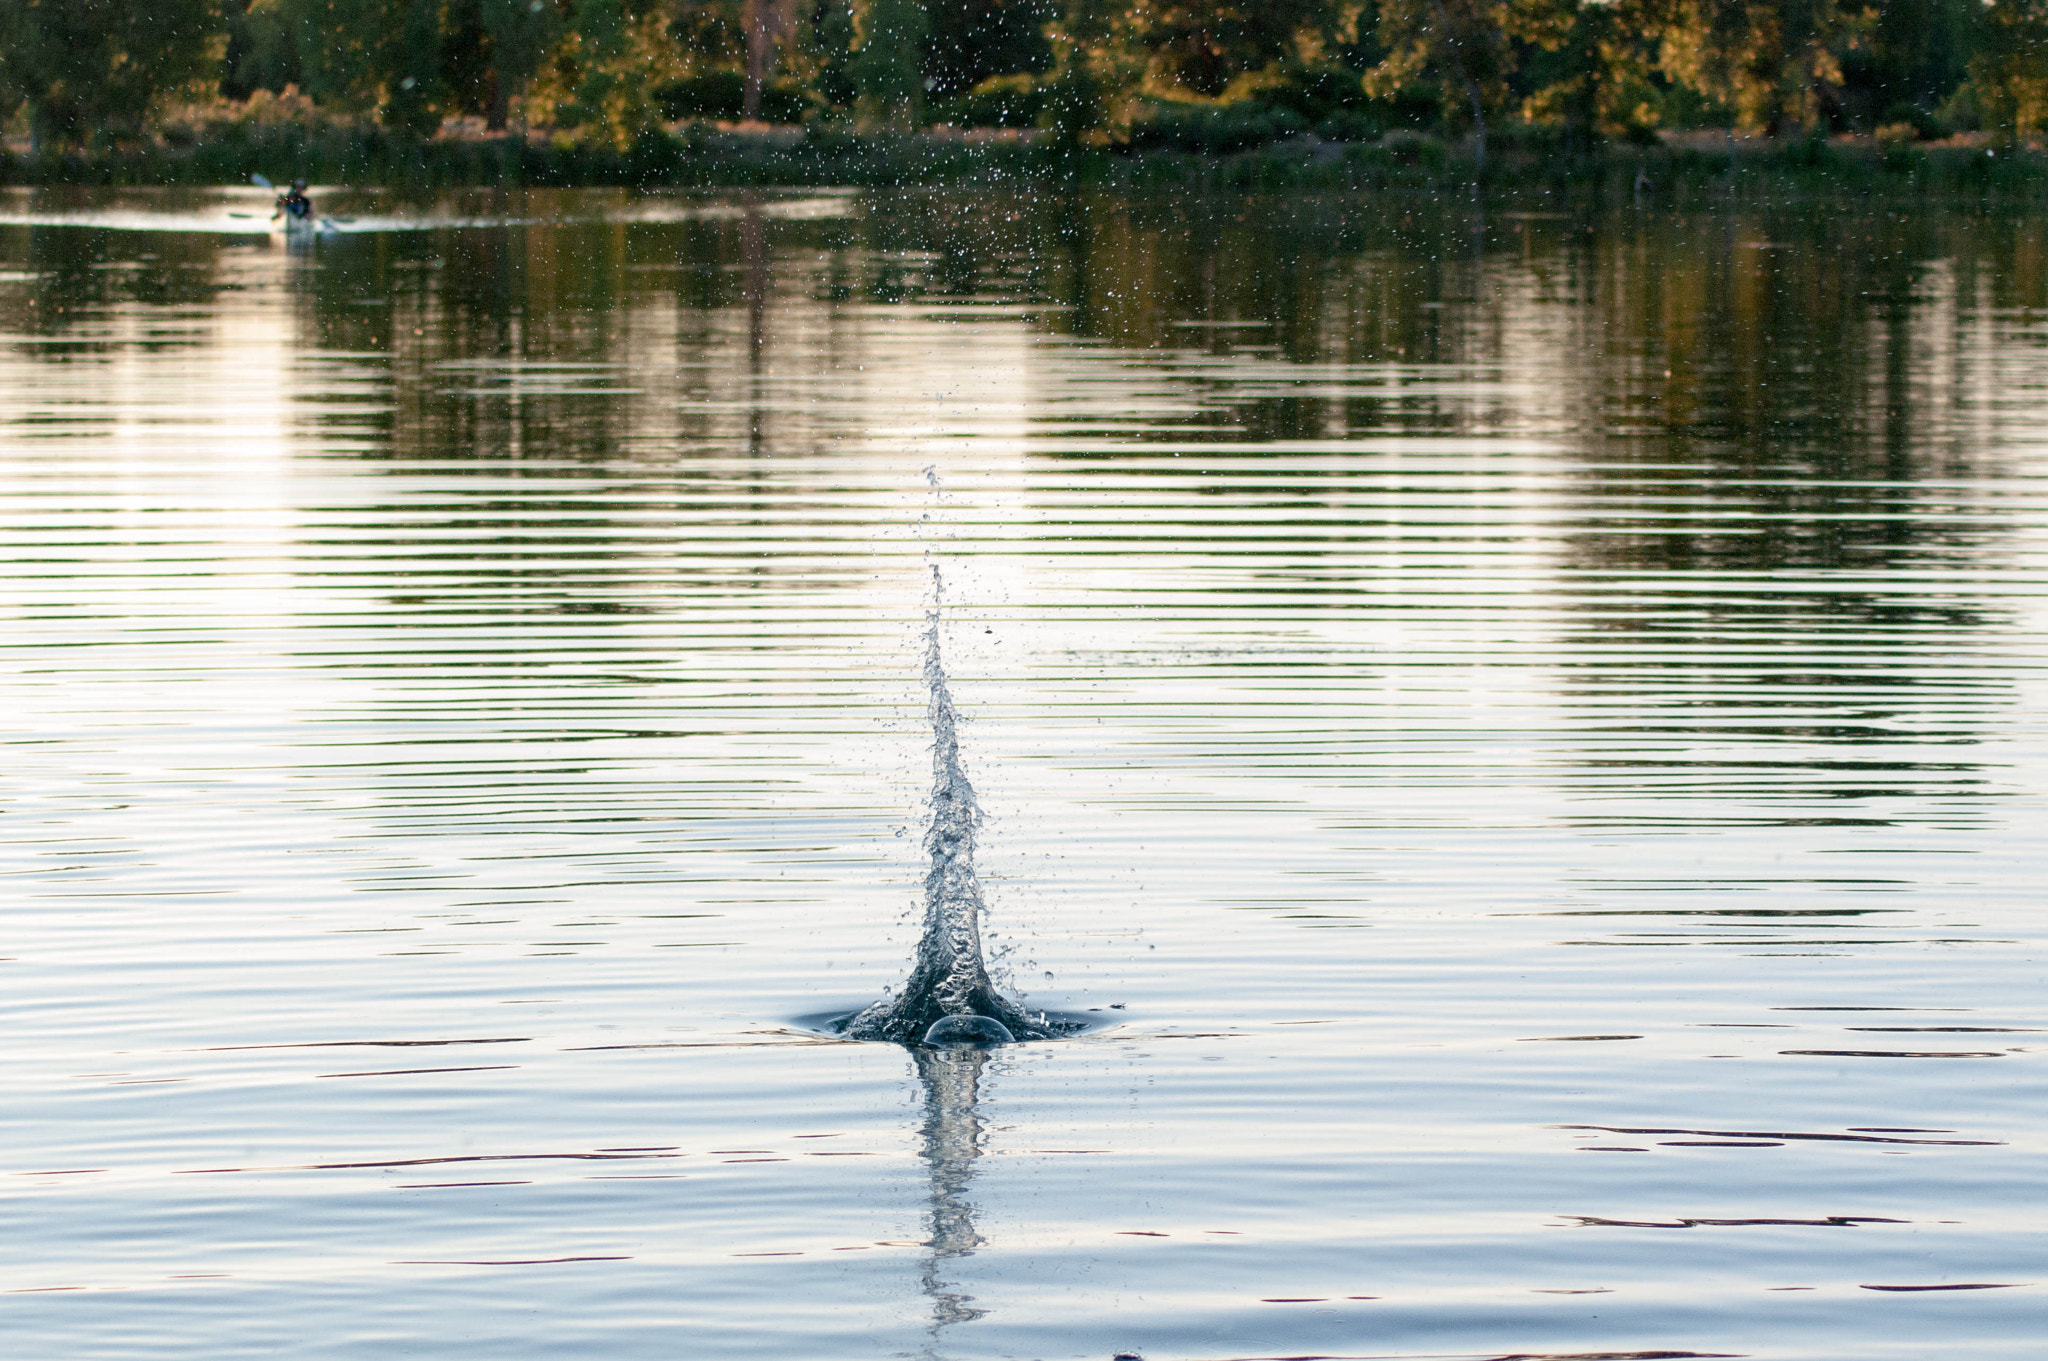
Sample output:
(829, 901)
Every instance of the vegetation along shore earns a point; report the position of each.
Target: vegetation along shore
(1626, 96)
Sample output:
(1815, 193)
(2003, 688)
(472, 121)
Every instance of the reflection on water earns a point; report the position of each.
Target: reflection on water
(1461, 689)
(950, 1143)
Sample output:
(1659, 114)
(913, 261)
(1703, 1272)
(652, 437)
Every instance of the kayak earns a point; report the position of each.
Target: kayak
(289, 228)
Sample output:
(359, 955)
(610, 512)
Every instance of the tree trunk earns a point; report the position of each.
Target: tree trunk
(755, 17)
(1451, 44)
(1479, 133)
(496, 105)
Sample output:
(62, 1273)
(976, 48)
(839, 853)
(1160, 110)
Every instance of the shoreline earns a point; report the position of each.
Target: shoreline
(712, 156)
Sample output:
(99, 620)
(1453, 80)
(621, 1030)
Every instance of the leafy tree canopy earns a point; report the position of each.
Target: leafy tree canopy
(1090, 69)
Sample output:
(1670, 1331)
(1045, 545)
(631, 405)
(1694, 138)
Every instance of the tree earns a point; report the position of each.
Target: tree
(972, 40)
(1090, 69)
(521, 32)
(351, 51)
(1591, 67)
(608, 69)
(1462, 44)
(2009, 70)
(1771, 64)
(887, 64)
(1200, 46)
(1908, 63)
(768, 23)
(414, 92)
(1096, 69)
(1108, 52)
(260, 53)
(373, 56)
(86, 66)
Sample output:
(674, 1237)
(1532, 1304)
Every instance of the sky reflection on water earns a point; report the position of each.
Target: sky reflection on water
(1535, 718)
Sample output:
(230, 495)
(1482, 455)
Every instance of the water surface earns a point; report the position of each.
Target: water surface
(1523, 728)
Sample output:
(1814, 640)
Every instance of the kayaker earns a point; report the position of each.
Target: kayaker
(294, 204)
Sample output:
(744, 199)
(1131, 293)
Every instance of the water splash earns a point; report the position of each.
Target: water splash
(950, 976)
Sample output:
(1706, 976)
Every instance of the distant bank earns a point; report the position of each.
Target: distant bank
(723, 156)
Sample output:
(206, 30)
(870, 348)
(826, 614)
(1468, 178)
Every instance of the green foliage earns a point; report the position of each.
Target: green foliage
(1590, 68)
(973, 41)
(415, 94)
(821, 50)
(521, 32)
(1926, 124)
(1194, 77)
(1095, 72)
(1017, 101)
(1200, 47)
(86, 67)
(518, 35)
(1774, 65)
(260, 52)
(1314, 90)
(1912, 57)
(602, 75)
(719, 95)
(2009, 70)
(361, 152)
(346, 49)
(886, 65)
(1461, 46)
(1214, 129)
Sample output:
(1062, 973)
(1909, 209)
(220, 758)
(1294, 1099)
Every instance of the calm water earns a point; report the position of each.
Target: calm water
(1528, 728)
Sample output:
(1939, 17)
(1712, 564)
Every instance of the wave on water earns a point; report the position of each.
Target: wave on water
(222, 223)
(235, 222)
(231, 221)
(949, 987)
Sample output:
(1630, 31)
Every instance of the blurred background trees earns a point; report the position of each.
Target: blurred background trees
(2007, 76)
(1206, 74)
(1769, 66)
(73, 68)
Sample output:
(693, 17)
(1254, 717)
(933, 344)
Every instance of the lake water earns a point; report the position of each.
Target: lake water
(1524, 730)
